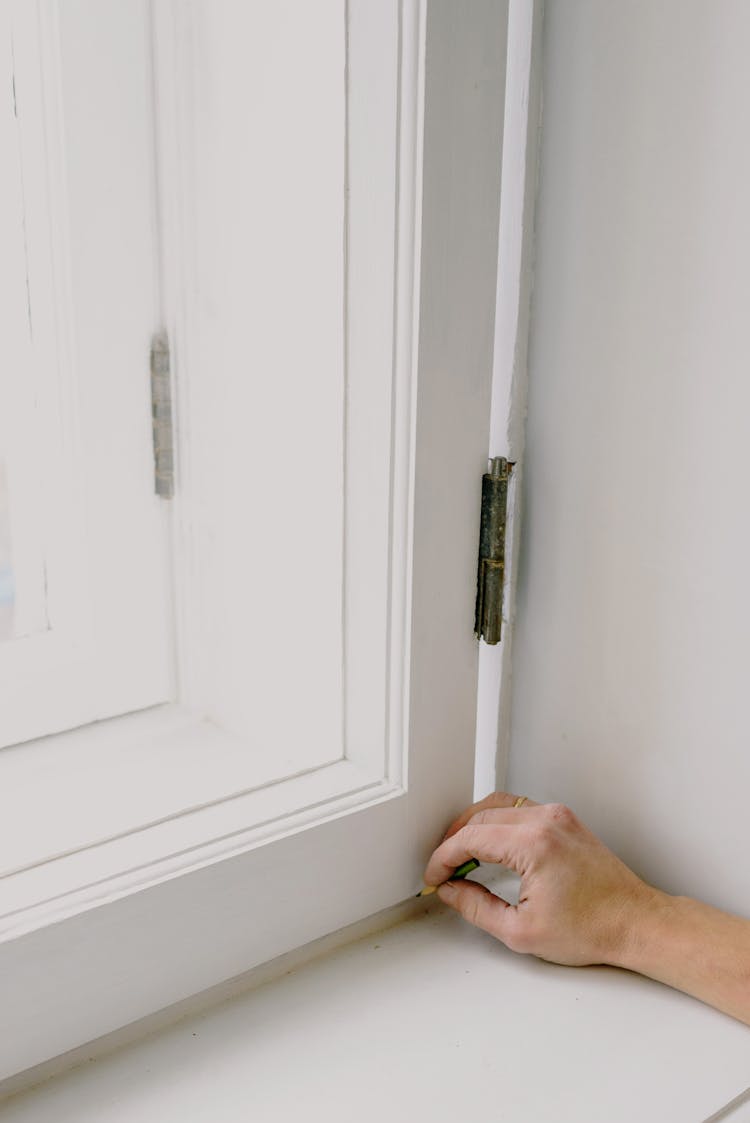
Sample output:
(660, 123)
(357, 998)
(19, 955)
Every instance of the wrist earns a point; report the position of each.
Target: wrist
(644, 923)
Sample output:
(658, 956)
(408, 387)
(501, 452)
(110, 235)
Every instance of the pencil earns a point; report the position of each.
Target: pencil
(462, 871)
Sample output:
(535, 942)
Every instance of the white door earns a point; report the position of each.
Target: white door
(327, 202)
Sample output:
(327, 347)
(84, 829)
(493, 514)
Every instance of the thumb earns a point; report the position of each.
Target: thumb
(480, 907)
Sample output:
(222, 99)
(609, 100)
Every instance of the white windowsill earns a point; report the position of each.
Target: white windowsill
(430, 1019)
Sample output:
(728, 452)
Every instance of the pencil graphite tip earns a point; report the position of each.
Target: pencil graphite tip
(427, 890)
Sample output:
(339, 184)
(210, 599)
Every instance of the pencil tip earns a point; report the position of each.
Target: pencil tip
(427, 890)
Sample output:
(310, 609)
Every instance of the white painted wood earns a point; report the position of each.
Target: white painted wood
(313, 473)
(21, 428)
(262, 96)
(737, 1110)
(430, 1019)
(221, 902)
(630, 654)
(379, 412)
(521, 131)
(205, 1000)
(215, 764)
(170, 795)
(89, 538)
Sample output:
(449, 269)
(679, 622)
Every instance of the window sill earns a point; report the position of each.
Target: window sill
(428, 1018)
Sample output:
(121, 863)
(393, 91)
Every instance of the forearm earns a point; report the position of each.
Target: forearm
(694, 948)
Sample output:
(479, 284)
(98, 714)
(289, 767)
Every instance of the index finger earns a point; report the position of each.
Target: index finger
(497, 843)
(494, 799)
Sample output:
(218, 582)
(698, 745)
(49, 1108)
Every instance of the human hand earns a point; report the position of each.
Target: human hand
(578, 903)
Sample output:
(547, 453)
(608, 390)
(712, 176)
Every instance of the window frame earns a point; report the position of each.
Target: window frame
(81, 965)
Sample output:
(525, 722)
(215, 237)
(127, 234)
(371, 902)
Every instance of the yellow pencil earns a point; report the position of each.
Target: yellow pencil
(462, 871)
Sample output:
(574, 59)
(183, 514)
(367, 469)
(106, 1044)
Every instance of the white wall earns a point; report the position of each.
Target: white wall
(632, 649)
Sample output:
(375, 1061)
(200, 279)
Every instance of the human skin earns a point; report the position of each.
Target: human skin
(579, 904)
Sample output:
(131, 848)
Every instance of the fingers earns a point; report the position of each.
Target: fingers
(497, 842)
(481, 908)
(493, 800)
(509, 816)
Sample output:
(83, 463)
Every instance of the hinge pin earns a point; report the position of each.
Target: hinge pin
(491, 566)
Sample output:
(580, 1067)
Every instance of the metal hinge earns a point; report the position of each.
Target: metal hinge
(491, 568)
(161, 414)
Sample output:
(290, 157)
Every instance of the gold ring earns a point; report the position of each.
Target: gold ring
(520, 801)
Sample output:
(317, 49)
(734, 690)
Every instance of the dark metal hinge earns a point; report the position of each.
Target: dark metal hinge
(491, 568)
(161, 414)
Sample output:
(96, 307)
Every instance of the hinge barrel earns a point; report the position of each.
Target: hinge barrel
(161, 417)
(488, 617)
